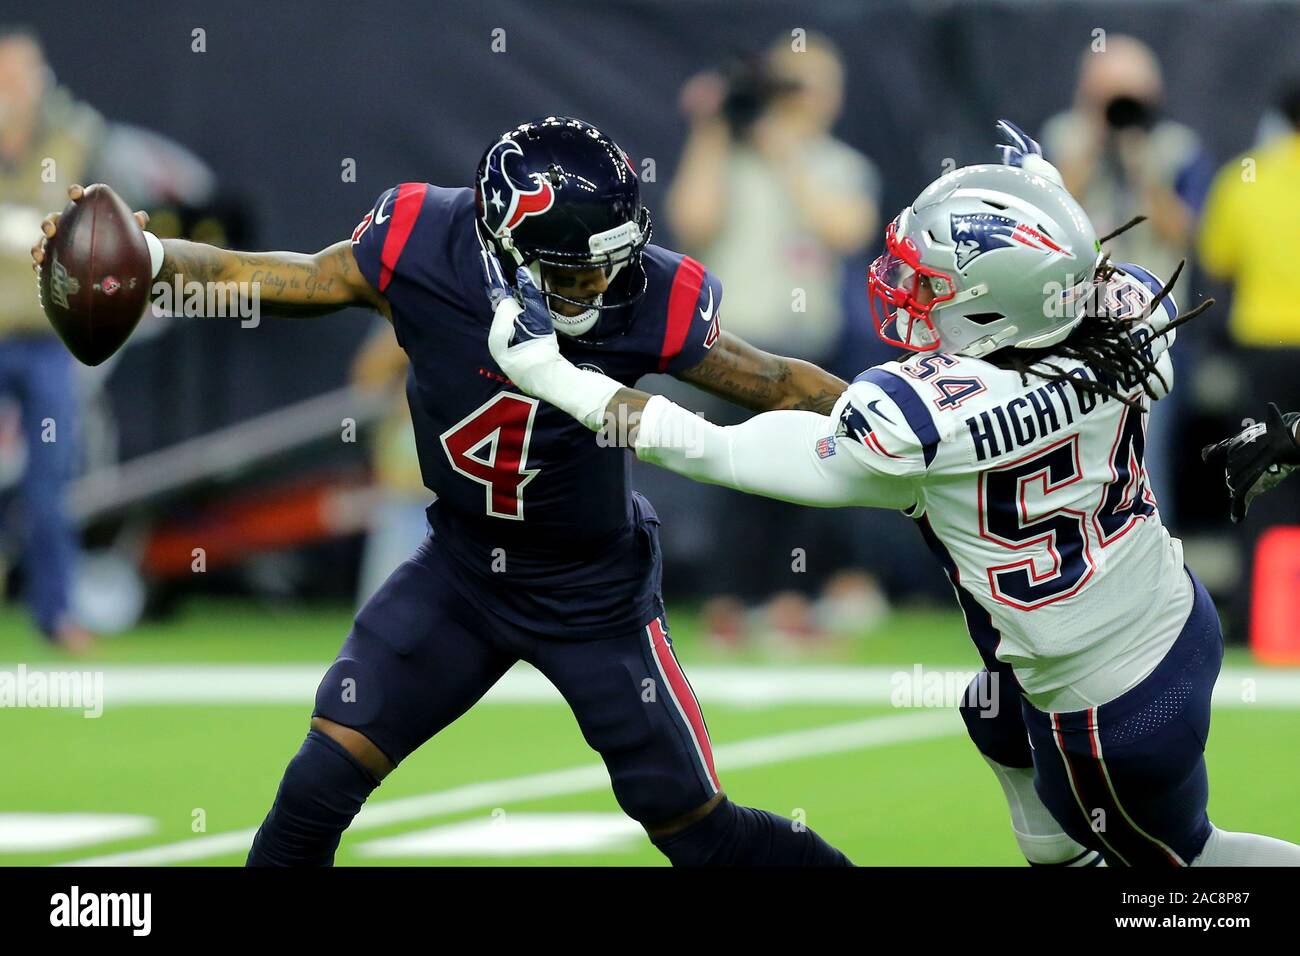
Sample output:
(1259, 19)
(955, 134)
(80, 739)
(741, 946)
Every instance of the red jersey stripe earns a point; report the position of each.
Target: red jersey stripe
(687, 282)
(406, 209)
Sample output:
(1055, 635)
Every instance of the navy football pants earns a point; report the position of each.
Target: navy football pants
(419, 655)
(1127, 778)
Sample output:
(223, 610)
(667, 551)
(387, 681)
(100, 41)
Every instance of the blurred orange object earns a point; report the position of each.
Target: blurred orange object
(280, 516)
(1275, 603)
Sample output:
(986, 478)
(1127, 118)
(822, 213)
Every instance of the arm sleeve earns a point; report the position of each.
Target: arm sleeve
(790, 455)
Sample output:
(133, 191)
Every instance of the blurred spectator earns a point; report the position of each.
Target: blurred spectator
(48, 140)
(38, 124)
(769, 199)
(1120, 158)
(1248, 238)
(773, 203)
(397, 521)
(1253, 205)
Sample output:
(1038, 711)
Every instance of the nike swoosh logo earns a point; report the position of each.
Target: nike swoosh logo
(706, 311)
(380, 218)
(871, 407)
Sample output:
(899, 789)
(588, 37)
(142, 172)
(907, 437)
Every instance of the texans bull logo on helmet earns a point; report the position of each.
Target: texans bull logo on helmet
(978, 233)
(506, 203)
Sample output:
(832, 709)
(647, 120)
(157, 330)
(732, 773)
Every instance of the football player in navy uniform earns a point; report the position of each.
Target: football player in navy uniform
(539, 551)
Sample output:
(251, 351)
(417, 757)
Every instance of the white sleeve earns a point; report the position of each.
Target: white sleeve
(790, 455)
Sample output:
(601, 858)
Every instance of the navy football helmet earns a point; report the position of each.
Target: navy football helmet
(557, 192)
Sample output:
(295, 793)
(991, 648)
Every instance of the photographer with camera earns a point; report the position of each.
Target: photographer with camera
(1121, 158)
(775, 205)
(769, 198)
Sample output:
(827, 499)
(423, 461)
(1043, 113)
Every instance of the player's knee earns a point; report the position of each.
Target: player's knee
(657, 793)
(668, 828)
(321, 791)
(706, 840)
(350, 693)
(356, 744)
(349, 699)
(990, 708)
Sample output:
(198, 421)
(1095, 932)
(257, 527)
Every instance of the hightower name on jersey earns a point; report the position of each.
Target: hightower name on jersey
(1024, 419)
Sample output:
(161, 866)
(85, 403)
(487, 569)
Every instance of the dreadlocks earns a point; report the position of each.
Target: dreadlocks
(1103, 342)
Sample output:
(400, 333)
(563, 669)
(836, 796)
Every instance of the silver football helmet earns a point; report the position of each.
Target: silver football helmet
(988, 257)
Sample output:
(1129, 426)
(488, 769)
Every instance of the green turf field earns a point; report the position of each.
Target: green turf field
(185, 780)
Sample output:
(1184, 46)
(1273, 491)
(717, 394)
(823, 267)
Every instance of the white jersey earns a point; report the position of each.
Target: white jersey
(1036, 499)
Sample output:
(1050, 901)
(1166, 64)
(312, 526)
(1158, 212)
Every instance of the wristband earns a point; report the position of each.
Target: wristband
(647, 429)
(155, 254)
(581, 393)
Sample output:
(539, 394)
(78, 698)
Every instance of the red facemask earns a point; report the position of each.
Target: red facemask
(896, 285)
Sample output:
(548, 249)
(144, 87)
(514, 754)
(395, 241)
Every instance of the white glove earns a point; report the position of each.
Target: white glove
(1021, 149)
(522, 340)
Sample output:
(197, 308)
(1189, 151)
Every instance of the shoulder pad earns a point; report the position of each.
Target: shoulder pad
(883, 414)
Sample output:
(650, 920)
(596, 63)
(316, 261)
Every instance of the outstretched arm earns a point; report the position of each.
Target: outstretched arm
(790, 455)
(290, 284)
(780, 454)
(737, 371)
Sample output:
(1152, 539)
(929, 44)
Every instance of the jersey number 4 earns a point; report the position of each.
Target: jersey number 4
(490, 446)
(1005, 517)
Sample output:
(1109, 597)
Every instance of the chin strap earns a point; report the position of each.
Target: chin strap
(570, 325)
(990, 343)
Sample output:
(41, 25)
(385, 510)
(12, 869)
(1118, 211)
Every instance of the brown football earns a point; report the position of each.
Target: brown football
(94, 281)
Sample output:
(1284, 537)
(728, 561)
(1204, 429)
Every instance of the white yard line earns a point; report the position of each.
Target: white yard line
(760, 751)
(754, 685)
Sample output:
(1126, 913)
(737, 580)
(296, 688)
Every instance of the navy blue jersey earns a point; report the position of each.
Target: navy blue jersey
(538, 517)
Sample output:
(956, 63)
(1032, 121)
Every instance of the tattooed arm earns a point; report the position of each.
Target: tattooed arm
(755, 379)
(290, 284)
(750, 377)
(522, 340)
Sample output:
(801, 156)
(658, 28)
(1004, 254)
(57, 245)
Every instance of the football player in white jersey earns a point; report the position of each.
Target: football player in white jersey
(1015, 438)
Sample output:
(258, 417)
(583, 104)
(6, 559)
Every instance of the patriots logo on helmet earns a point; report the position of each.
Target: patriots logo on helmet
(505, 202)
(980, 232)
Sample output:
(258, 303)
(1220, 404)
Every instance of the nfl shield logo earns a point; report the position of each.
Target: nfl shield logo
(825, 447)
